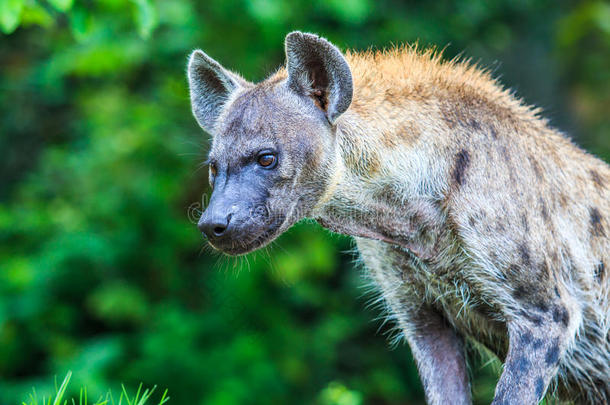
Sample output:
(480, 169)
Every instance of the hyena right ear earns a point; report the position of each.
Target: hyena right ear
(316, 68)
(210, 87)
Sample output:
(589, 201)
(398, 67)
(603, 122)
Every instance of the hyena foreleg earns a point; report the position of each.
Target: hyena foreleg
(439, 354)
(537, 343)
(436, 346)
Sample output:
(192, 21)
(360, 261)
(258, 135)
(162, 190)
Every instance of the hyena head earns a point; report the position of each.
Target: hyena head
(273, 143)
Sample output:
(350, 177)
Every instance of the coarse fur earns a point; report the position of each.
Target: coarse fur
(476, 219)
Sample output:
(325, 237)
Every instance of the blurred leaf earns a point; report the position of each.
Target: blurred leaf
(585, 18)
(603, 17)
(349, 11)
(338, 394)
(62, 5)
(35, 14)
(118, 302)
(17, 272)
(270, 11)
(80, 23)
(10, 15)
(146, 17)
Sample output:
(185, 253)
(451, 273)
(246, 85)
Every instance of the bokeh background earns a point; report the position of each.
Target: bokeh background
(102, 271)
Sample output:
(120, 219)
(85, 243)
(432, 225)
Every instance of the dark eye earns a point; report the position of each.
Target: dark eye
(267, 160)
(213, 169)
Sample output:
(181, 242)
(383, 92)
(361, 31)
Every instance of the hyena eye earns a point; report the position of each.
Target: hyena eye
(267, 160)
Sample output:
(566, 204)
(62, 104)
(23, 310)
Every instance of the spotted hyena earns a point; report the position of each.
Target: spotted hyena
(477, 220)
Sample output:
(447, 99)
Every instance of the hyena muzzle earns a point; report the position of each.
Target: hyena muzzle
(477, 220)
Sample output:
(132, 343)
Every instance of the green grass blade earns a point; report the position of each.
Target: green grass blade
(164, 397)
(62, 389)
(135, 400)
(124, 394)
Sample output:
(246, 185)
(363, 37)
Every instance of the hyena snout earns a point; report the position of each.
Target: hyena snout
(222, 221)
(235, 225)
(216, 224)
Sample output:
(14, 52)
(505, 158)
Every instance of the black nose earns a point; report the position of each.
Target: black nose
(214, 226)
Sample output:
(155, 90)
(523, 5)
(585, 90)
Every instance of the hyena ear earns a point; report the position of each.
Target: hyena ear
(316, 68)
(210, 87)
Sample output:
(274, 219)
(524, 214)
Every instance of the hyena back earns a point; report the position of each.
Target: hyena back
(476, 220)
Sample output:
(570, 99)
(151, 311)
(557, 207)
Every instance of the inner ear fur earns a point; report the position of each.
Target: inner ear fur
(210, 87)
(316, 68)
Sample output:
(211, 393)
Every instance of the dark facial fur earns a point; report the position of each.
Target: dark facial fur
(263, 202)
(290, 117)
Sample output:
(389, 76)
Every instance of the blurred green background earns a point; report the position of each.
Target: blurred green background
(102, 271)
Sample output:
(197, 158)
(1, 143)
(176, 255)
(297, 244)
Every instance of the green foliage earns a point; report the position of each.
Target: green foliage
(102, 270)
(10, 15)
(62, 5)
(338, 394)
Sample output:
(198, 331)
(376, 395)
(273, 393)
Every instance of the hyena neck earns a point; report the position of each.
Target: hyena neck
(398, 143)
(393, 194)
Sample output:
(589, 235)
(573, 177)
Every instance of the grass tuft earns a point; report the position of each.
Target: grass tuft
(139, 398)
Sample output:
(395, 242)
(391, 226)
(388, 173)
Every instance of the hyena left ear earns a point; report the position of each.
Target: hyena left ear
(316, 68)
(210, 87)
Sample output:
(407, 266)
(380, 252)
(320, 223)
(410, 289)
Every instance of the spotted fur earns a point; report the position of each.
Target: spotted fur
(476, 220)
